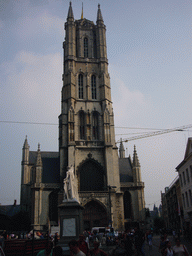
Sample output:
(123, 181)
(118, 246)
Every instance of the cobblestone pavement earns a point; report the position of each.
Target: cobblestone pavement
(154, 251)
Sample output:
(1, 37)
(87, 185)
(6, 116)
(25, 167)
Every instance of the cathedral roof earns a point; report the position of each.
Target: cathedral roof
(125, 170)
(9, 210)
(51, 165)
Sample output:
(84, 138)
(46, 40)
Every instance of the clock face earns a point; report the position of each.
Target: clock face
(69, 227)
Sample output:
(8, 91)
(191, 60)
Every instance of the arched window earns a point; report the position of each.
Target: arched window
(127, 205)
(93, 87)
(85, 47)
(80, 83)
(71, 124)
(95, 126)
(82, 125)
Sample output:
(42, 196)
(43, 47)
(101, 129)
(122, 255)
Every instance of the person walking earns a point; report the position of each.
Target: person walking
(168, 250)
(139, 237)
(83, 246)
(48, 251)
(74, 249)
(96, 251)
(180, 249)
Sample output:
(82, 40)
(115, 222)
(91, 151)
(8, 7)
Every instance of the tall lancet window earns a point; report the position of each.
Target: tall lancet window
(82, 125)
(95, 126)
(93, 87)
(71, 124)
(80, 83)
(85, 47)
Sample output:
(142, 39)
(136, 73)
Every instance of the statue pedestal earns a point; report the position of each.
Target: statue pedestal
(71, 221)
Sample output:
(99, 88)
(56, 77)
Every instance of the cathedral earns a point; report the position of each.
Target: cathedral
(109, 184)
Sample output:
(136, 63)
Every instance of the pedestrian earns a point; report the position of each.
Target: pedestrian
(83, 246)
(149, 239)
(162, 244)
(56, 238)
(139, 241)
(120, 249)
(174, 234)
(180, 249)
(57, 251)
(168, 250)
(74, 249)
(96, 251)
(48, 251)
(128, 244)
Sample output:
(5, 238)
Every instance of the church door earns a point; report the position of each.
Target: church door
(94, 215)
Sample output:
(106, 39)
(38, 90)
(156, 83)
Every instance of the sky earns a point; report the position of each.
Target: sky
(149, 54)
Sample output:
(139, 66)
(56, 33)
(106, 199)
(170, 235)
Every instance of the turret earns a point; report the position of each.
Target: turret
(121, 150)
(39, 166)
(70, 16)
(70, 38)
(136, 167)
(25, 176)
(101, 36)
(25, 157)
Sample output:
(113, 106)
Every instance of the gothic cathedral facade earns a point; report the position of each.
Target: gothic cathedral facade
(109, 185)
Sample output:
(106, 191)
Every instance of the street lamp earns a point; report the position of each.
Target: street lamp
(110, 217)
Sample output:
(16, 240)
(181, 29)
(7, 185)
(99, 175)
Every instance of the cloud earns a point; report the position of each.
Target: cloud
(32, 85)
(127, 104)
(38, 24)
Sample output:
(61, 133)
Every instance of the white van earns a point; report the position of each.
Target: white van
(100, 230)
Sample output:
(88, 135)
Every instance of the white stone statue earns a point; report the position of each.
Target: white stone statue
(70, 186)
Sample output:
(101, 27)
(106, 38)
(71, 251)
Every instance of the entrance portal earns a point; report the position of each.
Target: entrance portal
(94, 215)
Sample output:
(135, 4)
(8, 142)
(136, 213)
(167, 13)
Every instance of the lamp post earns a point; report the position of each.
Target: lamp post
(110, 217)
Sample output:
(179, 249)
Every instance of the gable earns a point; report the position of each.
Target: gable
(188, 148)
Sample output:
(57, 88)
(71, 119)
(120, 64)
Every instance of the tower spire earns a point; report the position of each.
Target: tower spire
(82, 12)
(121, 150)
(70, 12)
(39, 160)
(99, 15)
(26, 145)
(135, 158)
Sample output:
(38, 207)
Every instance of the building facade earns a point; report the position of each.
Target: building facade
(172, 206)
(184, 170)
(110, 187)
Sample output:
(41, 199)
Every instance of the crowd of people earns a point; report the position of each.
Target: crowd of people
(127, 243)
(166, 248)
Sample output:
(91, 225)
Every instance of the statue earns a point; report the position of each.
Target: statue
(70, 186)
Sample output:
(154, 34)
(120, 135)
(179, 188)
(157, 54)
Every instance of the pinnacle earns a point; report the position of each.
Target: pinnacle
(70, 12)
(135, 158)
(99, 15)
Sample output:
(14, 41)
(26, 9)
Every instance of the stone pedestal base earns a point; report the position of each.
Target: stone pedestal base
(71, 221)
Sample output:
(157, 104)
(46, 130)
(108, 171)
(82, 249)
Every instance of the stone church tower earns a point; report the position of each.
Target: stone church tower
(109, 186)
(86, 123)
